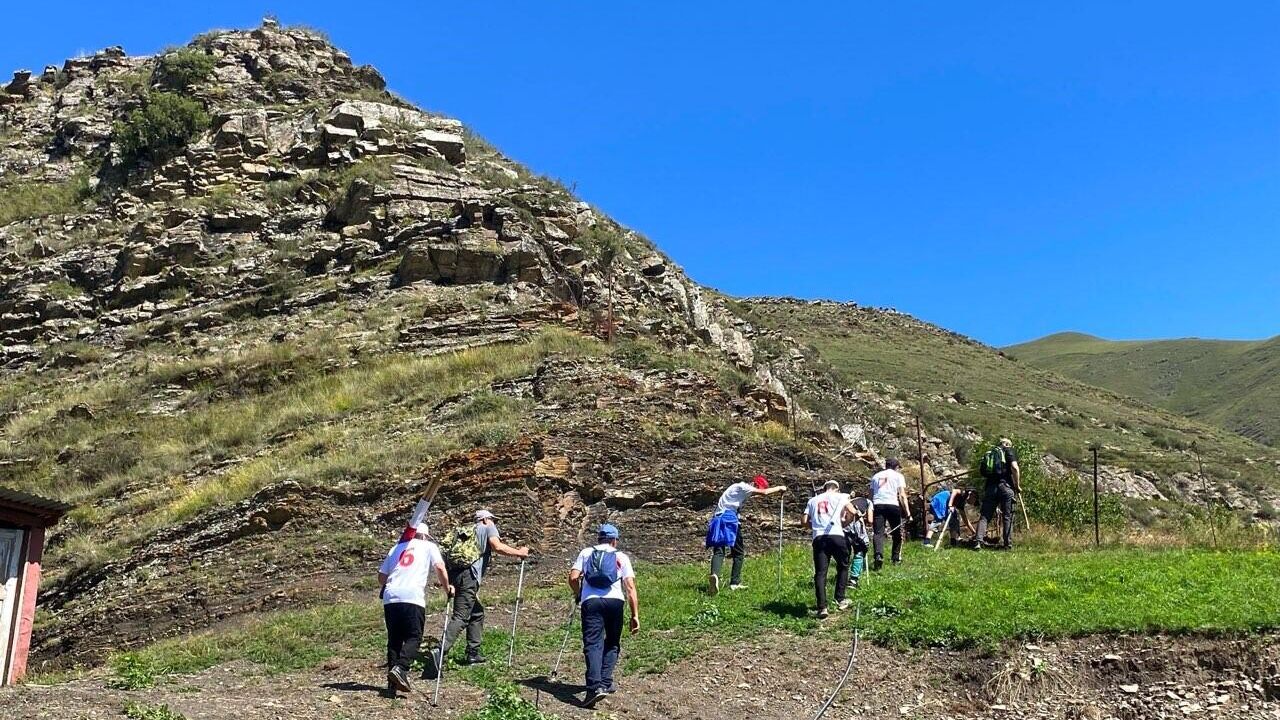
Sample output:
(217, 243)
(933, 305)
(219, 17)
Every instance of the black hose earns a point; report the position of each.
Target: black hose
(848, 668)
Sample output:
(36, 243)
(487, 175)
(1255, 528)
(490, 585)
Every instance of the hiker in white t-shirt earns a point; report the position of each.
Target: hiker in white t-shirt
(889, 495)
(825, 517)
(403, 579)
(724, 531)
(601, 578)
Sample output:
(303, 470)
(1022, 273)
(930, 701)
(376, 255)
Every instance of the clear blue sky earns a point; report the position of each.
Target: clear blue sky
(1003, 169)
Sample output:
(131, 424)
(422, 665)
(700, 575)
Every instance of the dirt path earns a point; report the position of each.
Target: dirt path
(773, 677)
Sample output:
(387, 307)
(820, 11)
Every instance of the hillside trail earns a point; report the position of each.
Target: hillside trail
(771, 676)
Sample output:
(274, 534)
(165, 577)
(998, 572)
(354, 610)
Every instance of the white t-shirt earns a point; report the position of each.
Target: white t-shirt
(733, 497)
(408, 568)
(825, 513)
(615, 591)
(885, 486)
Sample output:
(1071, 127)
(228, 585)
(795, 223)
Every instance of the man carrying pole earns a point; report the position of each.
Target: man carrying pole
(999, 468)
(825, 517)
(402, 582)
(724, 531)
(889, 496)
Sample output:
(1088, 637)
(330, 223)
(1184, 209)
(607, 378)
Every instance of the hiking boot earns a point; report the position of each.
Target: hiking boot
(738, 586)
(433, 665)
(592, 697)
(879, 563)
(823, 614)
(398, 679)
(476, 659)
(844, 604)
(713, 585)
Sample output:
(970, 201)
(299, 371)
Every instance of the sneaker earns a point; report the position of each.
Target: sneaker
(606, 692)
(844, 604)
(433, 665)
(398, 679)
(738, 586)
(713, 585)
(592, 697)
(476, 659)
(879, 563)
(897, 561)
(823, 614)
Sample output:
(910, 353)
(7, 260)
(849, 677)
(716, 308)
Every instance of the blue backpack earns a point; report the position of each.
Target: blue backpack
(602, 569)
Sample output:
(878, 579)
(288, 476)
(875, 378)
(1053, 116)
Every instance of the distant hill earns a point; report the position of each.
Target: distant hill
(1233, 384)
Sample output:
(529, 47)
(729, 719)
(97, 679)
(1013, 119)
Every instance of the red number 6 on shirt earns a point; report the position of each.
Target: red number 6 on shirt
(406, 559)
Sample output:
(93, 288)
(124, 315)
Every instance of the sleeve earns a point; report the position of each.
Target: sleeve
(580, 562)
(434, 557)
(389, 564)
(624, 567)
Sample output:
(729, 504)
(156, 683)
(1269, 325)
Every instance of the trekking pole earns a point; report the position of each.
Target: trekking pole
(573, 612)
(448, 605)
(781, 501)
(515, 617)
(1025, 517)
(946, 525)
(848, 668)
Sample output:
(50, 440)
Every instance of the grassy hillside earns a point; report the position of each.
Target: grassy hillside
(953, 381)
(1232, 384)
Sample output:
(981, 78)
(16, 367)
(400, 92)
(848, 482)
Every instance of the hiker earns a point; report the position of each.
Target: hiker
(825, 516)
(889, 496)
(724, 532)
(402, 582)
(858, 534)
(947, 503)
(959, 500)
(999, 468)
(601, 578)
(467, 550)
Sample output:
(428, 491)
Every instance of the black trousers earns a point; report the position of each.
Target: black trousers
(889, 516)
(468, 612)
(825, 549)
(601, 640)
(738, 553)
(404, 632)
(999, 496)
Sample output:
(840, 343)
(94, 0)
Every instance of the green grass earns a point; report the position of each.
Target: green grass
(953, 598)
(29, 200)
(146, 711)
(1233, 384)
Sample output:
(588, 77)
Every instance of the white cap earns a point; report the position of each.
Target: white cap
(831, 484)
(483, 515)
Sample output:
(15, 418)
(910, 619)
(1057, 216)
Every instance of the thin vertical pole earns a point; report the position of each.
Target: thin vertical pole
(515, 616)
(920, 457)
(1097, 532)
(1208, 503)
(781, 500)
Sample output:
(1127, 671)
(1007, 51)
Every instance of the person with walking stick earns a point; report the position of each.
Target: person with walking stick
(999, 469)
(467, 550)
(601, 579)
(402, 580)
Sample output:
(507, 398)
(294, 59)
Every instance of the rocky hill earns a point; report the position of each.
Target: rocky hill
(251, 303)
(1233, 384)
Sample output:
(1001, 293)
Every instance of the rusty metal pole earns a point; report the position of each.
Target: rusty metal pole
(924, 522)
(1097, 533)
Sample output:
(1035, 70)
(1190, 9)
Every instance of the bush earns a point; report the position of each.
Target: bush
(505, 703)
(183, 69)
(164, 125)
(143, 711)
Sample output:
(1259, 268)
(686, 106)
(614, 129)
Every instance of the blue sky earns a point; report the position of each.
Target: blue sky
(1004, 169)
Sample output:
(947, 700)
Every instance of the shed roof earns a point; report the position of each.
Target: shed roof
(44, 509)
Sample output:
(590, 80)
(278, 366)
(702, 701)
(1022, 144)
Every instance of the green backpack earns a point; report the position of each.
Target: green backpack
(994, 465)
(459, 547)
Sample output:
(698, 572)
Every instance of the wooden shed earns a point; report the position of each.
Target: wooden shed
(23, 519)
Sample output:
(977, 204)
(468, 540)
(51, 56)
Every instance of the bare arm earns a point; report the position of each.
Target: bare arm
(902, 502)
(504, 549)
(575, 584)
(805, 522)
(382, 579)
(771, 491)
(442, 577)
(633, 600)
(1017, 476)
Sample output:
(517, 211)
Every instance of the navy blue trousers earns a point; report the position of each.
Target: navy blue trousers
(601, 640)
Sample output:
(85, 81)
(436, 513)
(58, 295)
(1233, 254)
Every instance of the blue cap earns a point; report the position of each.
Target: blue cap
(607, 532)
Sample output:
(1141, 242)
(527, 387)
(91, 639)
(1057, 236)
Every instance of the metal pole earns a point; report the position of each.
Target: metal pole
(1097, 532)
(435, 697)
(946, 528)
(920, 457)
(781, 501)
(1208, 503)
(515, 617)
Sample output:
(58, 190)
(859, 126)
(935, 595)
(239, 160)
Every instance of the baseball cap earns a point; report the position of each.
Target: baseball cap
(608, 532)
(761, 482)
(483, 515)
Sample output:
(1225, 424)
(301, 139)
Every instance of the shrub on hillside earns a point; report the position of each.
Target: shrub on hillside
(164, 125)
(1060, 501)
(27, 200)
(183, 69)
